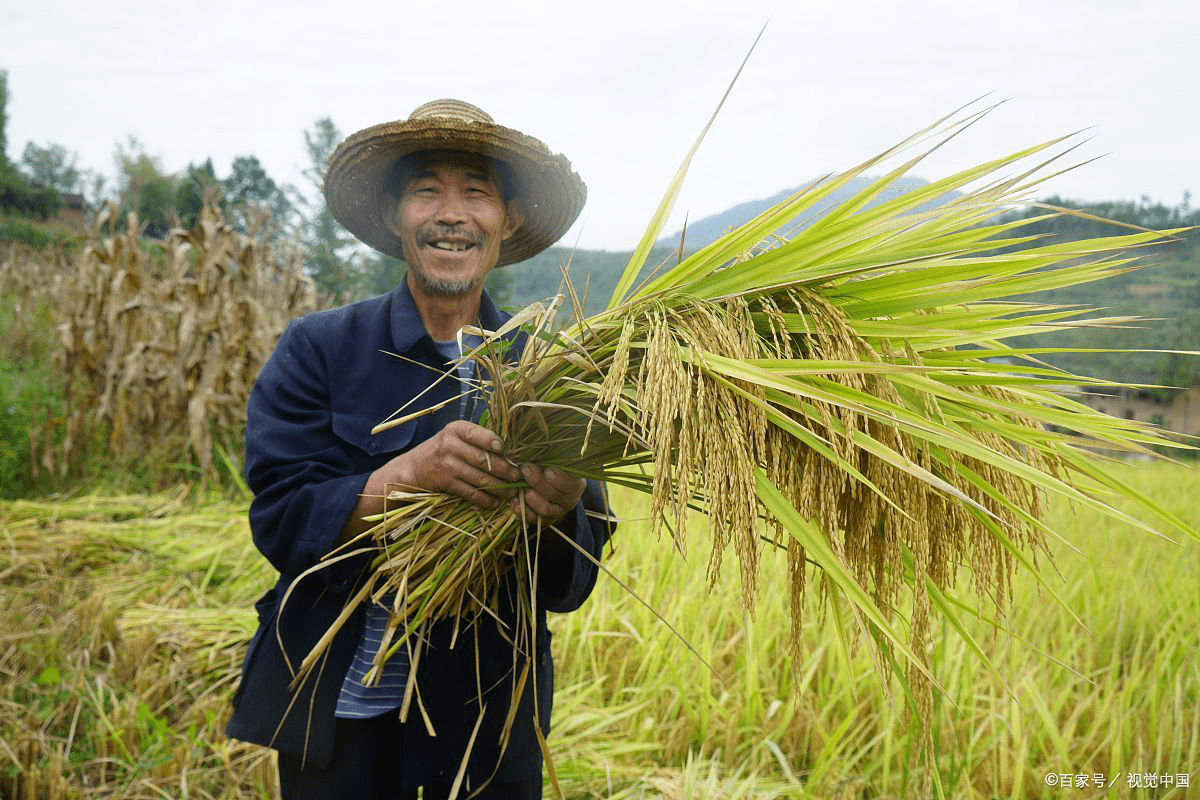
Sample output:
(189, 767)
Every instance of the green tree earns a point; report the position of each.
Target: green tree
(15, 192)
(144, 187)
(3, 117)
(248, 185)
(499, 285)
(382, 274)
(200, 179)
(54, 166)
(330, 246)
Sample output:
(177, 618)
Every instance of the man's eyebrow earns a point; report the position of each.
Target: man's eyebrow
(422, 174)
(474, 173)
(477, 174)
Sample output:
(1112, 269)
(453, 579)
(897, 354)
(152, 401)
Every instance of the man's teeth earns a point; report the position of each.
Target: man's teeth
(455, 246)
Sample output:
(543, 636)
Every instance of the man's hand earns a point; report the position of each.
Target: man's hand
(467, 460)
(550, 496)
(463, 459)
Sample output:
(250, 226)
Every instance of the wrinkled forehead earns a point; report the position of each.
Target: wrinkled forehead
(428, 162)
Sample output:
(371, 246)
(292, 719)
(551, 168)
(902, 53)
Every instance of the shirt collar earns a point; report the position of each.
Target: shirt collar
(408, 329)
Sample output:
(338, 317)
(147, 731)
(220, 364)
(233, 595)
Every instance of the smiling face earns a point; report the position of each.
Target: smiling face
(451, 217)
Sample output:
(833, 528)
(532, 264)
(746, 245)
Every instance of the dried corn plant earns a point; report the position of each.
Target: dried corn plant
(25, 275)
(162, 340)
(850, 397)
(25, 272)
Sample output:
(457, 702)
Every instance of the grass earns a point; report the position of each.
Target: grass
(1123, 697)
(124, 621)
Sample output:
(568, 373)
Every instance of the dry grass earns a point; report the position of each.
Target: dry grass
(125, 624)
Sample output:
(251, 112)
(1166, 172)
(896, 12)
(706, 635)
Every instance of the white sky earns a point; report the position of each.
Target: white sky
(623, 87)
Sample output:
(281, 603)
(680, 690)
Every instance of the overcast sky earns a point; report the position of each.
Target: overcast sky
(623, 87)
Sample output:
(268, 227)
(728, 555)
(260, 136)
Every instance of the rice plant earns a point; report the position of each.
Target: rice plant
(847, 396)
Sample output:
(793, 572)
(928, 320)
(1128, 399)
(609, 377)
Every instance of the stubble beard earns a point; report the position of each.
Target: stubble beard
(436, 287)
(440, 288)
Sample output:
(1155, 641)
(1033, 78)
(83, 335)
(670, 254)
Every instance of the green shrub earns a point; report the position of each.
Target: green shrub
(23, 231)
(30, 394)
(27, 393)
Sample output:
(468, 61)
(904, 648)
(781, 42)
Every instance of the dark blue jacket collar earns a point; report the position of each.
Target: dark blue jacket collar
(408, 328)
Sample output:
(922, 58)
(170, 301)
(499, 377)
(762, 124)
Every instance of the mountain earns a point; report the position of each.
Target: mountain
(706, 230)
(541, 276)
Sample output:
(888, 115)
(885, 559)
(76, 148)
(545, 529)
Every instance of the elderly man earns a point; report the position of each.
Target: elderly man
(454, 195)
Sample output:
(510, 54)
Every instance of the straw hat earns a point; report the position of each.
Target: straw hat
(360, 169)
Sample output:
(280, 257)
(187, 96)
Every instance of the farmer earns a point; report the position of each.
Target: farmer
(454, 195)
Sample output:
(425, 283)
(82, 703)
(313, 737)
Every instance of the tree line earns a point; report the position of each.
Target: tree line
(343, 269)
(36, 185)
(1162, 287)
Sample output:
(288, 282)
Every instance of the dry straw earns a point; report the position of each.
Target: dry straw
(125, 623)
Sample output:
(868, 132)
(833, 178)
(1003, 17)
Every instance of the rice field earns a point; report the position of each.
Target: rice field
(123, 622)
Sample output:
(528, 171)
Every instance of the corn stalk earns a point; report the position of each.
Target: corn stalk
(161, 339)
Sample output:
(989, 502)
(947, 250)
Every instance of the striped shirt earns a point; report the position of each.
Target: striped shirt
(357, 700)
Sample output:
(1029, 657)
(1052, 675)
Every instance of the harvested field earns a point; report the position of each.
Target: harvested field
(124, 621)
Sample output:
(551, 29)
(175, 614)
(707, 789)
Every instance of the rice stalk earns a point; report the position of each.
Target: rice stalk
(126, 621)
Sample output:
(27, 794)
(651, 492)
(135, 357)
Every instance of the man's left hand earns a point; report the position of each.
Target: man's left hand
(551, 494)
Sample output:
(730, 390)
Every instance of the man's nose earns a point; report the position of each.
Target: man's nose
(452, 209)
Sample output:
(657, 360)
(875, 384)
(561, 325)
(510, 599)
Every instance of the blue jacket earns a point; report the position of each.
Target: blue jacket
(309, 451)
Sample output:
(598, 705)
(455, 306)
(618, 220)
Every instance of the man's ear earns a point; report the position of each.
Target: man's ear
(389, 208)
(514, 216)
(390, 211)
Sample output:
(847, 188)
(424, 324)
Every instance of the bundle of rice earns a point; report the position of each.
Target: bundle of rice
(849, 396)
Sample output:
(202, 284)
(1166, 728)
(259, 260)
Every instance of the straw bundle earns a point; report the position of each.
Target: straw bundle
(849, 396)
(124, 623)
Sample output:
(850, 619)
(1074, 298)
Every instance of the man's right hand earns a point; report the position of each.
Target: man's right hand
(462, 458)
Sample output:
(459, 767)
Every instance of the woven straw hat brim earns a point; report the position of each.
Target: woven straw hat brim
(551, 193)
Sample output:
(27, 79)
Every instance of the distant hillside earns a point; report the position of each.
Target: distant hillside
(594, 274)
(1163, 289)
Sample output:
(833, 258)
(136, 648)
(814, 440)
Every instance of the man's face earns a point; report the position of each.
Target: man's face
(451, 219)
